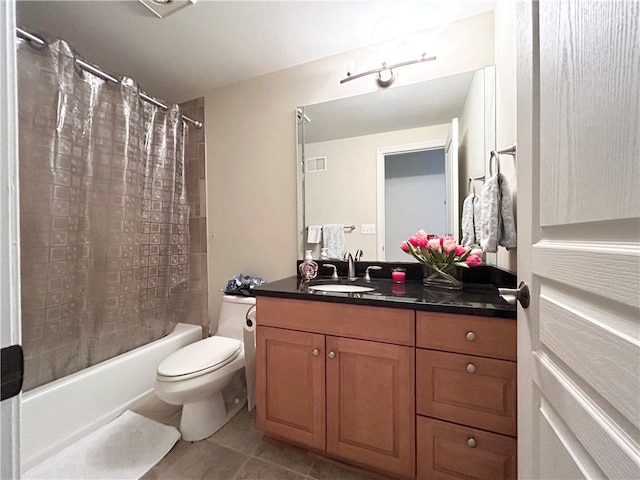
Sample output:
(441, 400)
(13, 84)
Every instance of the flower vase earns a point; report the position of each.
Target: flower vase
(442, 276)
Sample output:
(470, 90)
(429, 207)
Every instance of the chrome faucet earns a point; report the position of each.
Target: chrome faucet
(352, 259)
(334, 275)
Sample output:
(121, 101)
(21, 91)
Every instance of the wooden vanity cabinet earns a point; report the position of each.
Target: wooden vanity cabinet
(415, 394)
(466, 397)
(290, 385)
(328, 377)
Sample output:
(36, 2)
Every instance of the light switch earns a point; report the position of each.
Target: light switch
(368, 229)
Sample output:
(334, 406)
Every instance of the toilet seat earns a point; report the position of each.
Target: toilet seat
(199, 358)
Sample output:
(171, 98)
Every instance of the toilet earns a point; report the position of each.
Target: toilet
(207, 377)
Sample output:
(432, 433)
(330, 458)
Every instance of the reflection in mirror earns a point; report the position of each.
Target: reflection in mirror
(393, 161)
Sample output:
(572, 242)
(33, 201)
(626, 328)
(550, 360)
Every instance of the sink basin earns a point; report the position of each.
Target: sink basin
(336, 287)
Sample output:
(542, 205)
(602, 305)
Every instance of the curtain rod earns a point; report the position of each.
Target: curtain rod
(100, 73)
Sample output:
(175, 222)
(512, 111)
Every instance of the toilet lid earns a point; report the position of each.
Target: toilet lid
(202, 356)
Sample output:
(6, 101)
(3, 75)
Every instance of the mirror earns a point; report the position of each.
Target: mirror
(388, 163)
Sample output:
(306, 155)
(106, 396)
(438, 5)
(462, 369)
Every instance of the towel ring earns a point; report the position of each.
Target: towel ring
(472, 186)
(495, 156)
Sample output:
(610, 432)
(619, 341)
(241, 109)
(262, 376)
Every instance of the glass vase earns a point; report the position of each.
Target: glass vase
(447, 277)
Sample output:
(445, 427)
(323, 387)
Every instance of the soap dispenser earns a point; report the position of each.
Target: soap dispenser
(308, 268)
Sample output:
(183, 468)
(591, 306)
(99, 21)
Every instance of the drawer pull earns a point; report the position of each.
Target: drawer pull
(471, 368)
(331, 355)
(315, 352)
(471, 336)
(472, 442)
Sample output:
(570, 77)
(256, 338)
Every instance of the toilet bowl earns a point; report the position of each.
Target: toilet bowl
(207, 377)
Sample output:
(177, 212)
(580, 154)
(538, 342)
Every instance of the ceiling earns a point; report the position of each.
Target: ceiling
(214, 43)
(441, 99)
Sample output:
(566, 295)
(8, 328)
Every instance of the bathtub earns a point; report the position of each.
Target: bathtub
(59, 413)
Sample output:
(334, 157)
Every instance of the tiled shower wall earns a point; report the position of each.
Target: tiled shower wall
(197, 311)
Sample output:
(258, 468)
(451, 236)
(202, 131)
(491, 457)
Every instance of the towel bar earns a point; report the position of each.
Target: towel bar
(495, 154)
(347, 228)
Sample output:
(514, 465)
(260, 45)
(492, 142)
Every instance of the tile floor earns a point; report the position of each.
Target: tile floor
(238, 452)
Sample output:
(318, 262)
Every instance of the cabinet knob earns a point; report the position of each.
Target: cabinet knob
(472, 442)
(471, 368)
(471, 336)
(331, 355)
(315, 352)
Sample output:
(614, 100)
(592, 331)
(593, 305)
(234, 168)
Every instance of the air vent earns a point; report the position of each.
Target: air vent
(316, 164)
(163, 8)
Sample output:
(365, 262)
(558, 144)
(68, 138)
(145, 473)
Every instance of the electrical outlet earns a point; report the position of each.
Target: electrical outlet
(368, 229)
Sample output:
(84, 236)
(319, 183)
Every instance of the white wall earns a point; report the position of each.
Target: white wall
(251, 147)
(472, 152)
(348, 187)
(506, 112)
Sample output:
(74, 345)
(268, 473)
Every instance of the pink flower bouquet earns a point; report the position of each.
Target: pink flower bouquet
(442, 255)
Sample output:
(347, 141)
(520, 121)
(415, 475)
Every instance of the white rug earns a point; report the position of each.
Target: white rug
(126, 448)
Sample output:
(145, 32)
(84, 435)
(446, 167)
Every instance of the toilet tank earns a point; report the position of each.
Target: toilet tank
(233, 311)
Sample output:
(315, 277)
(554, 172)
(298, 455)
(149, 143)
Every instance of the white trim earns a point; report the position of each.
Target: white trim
(9, 233)
(451, 174)
(381, 152)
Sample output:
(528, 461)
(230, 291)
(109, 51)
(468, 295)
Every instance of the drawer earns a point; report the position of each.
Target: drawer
(447, 451)
(483, 336)
(475, 391)
(389, 325)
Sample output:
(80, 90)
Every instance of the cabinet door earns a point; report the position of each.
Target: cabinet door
(290, 385)
(475, 391)
(454, 452)
(370, 404)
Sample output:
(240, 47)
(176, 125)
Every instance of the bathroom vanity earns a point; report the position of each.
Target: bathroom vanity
(411, 382)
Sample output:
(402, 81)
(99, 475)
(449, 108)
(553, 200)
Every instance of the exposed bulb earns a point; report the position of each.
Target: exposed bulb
(385, 77)
(350, 67)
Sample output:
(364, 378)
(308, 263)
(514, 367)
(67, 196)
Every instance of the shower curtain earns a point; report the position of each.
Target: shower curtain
(104, 216)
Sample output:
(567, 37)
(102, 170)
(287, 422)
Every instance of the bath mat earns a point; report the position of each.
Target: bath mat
(126, 448)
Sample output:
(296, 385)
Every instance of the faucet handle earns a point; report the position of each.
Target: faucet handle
(367, 277)
(334, 276)
(358, 255)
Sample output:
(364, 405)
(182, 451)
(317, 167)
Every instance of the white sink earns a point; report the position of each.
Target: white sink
(341, 288)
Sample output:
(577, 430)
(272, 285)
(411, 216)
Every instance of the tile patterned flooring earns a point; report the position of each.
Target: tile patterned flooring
(239, 452)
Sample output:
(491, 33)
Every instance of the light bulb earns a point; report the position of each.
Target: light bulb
(350, 67)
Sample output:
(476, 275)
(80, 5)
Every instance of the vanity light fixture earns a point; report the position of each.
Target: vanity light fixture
(163, 8)
(386, 74)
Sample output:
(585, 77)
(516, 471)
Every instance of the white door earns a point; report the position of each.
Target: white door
(451, 173)
(579, 239)
(9, 236)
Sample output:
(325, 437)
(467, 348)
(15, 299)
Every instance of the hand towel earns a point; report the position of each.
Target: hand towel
(508, 238)
(471, 220)
(497, 226)
(333, 240)
(314, 234)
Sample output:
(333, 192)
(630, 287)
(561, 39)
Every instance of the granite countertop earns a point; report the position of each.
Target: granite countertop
(474, 299)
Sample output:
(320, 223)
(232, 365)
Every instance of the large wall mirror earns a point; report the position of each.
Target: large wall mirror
(388, 163)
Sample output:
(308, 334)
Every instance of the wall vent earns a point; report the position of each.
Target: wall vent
(316, 164)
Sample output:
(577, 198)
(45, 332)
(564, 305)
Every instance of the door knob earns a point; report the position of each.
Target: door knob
(331, 355)
(315, 352)
(512, 294)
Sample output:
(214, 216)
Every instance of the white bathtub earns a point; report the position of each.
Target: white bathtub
(59, 413)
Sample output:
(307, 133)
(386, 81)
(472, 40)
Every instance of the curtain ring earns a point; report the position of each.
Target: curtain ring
(497, 158)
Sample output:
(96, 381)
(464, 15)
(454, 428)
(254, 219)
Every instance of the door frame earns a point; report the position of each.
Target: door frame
(381, 153)
(9, 233)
